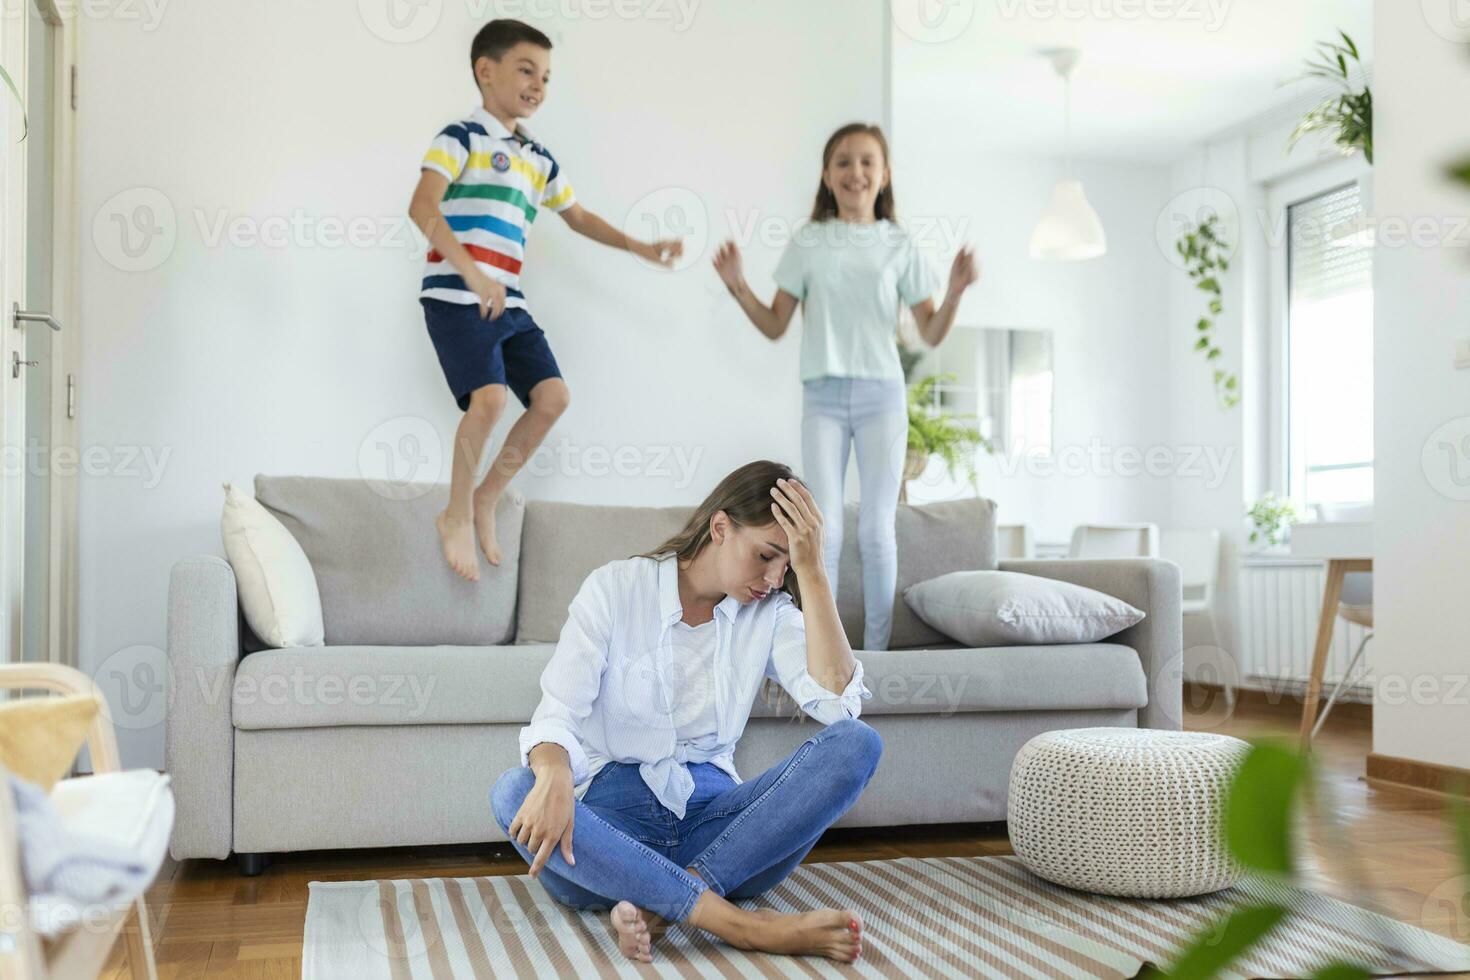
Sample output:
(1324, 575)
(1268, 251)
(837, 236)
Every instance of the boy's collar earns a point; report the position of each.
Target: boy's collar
(496, 128)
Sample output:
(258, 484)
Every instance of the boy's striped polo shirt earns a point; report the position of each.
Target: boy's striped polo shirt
(497, 182)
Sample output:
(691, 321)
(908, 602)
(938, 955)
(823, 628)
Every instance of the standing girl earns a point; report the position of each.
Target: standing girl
(850, 268)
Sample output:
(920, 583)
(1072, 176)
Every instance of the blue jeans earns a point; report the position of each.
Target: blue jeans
(838, 415)
(741, 839)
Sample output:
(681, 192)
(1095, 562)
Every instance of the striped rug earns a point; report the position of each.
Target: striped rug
(932, 917)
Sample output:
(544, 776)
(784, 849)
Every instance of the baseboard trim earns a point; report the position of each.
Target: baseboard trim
(1415, 774)
(1284, 701)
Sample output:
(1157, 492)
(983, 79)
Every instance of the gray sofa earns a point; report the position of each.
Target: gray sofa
(395, 730)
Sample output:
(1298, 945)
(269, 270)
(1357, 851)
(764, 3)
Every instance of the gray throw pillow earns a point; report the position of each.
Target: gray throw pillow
(991, 609)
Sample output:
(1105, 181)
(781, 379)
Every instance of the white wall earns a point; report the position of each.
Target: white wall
(1108, 317)
(225, 360)
(1230, 176)
(1421, 404)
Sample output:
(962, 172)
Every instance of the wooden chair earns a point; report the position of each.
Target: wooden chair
(80, 952)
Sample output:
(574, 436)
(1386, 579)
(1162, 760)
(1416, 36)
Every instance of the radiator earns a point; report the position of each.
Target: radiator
(1280, 604)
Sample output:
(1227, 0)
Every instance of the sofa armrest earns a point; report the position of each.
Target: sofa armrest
(1150, 584)
(199, 734)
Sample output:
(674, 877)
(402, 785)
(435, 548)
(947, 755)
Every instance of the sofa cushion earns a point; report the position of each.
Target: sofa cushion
(1077, 676)
(382, 576)
(933, 539)
(562, 543)
(993, 608)
(273, 576)
(323, 687)
(381, 685)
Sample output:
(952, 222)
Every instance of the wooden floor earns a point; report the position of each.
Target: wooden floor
(1382, 847)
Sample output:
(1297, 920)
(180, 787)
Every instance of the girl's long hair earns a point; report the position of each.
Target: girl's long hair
(825, 206)
(745, 497)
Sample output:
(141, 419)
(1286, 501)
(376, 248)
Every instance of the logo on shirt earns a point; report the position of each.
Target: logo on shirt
(500, 160)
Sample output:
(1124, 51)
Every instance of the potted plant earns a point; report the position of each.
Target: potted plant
(1347, 115)
(1271, 520)
(933, 433)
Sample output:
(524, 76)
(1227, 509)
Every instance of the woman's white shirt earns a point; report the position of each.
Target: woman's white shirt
(608, 692)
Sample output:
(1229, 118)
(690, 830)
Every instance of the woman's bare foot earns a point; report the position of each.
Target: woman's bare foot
(458, 539)
(485, 526)
(635, 941)
(833, 933)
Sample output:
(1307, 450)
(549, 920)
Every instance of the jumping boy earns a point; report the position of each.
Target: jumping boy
(481, 184)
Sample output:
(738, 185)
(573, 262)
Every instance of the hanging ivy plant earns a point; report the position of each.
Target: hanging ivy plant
(1203, 251)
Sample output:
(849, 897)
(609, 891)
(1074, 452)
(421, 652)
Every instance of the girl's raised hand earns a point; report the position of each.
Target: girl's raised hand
(964, 272)
(796, 511)
(727, 263)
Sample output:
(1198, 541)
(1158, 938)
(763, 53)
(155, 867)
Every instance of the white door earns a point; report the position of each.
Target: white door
(37, 373)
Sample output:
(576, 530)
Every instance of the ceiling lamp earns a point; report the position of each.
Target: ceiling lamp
(1069, 228)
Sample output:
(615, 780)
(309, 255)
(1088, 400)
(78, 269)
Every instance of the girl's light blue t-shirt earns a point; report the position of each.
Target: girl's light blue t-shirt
(850, 279)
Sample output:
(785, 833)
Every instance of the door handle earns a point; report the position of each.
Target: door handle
(19, 316)
(16, 363)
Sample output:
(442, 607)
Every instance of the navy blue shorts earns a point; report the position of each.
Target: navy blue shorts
(474, 352)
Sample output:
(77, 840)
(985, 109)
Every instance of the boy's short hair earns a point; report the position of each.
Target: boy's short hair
(499, 36)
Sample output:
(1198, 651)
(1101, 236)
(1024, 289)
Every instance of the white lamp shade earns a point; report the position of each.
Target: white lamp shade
(1069, 228)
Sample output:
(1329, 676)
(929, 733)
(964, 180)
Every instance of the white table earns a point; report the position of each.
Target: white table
(1347, 546)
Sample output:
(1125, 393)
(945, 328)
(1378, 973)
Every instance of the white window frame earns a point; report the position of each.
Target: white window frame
(1280, 195)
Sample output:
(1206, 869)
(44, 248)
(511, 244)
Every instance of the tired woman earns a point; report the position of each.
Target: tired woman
(628, 799)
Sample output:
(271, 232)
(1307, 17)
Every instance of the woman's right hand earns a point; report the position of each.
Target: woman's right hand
(545, 818)
(729, 266)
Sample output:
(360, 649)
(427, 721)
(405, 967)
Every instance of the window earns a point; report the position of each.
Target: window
(1329, 349)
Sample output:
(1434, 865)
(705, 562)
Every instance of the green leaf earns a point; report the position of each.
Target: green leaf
(1230, 383)
(25, 125)
(1258, 810)
(1224, 265)
(1341, 971)
(1216, 306)
(1209, 284)
(1202, 343)
(1214, 353)
(1459, 171)
(1221, 944)
(1460, 814)
(1203, 324)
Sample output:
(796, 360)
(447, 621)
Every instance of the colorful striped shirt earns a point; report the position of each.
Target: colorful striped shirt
(497, 181)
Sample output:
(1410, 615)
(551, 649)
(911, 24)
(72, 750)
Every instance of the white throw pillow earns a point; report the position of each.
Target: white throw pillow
(276, 584)
(989, 609)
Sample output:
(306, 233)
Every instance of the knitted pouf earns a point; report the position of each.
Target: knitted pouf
(1125, 811)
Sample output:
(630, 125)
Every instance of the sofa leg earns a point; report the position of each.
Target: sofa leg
(252, 864)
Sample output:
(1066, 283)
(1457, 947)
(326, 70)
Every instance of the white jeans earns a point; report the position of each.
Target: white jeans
(872, 415)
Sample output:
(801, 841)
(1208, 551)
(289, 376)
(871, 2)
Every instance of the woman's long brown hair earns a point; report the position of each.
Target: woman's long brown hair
(825, 206)
(745, 497)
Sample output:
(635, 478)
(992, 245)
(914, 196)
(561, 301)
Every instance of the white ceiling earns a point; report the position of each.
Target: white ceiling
(1147, 88)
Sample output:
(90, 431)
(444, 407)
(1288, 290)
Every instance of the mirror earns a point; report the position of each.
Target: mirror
(1002, 379)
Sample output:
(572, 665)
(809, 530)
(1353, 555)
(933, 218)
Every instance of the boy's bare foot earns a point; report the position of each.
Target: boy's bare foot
(833, 933)
(634, 939)
(485, 526)
(458, 539)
